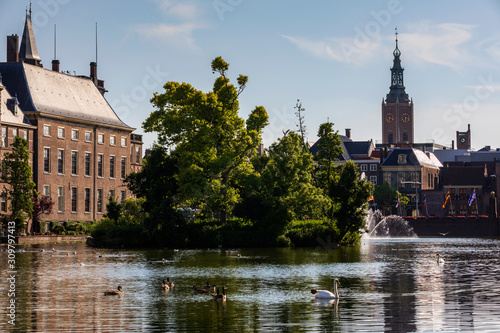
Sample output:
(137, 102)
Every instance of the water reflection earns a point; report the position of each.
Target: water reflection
(386, 285)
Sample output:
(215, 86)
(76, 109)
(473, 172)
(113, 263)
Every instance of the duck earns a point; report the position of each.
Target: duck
(118, 291)
(168, 283)
(220, 297)
(165, 286)
(325, 294)
(199, 291)
(210, 288)
(439, 259)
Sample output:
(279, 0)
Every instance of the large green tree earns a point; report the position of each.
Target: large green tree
(209, 138)
(17, 173)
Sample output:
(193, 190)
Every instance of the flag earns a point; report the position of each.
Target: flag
(371, 198)
(397, 205)
(423, 201)
(472, 197)
(446, 199)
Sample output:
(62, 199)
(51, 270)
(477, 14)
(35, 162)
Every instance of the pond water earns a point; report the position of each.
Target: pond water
(386, 285)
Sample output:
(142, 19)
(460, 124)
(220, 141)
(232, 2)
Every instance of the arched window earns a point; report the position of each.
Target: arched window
(405, 137)
(389, 138)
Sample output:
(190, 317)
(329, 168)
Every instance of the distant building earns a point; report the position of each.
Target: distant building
(81, 150)
(397, 108)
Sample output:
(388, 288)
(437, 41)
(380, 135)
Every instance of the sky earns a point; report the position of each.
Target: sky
(333, 56)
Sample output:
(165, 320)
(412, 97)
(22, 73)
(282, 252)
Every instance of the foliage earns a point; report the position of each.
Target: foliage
(329, 148)
(107, 233)
(209, 139)
(403, 201)
(16, 172)
(42, 204)
(351, 194)
(113, 209)
(310, 232)
(384, 195)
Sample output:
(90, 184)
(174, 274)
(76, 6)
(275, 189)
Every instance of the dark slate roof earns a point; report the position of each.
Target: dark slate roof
(413, 157)
(358, 147)
(464, 175)
(58, 94)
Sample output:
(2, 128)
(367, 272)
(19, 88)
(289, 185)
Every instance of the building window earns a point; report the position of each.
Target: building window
(364, 167)
(100, 138)
(74, 134)
(46, 159)
(401, 158)
(60, 161)
(111, 193)
(123, 167)
(87, 200)
(25, 135)
(401, 179)
(387, 178)
(60, 199)
(112, 140)
(99, 165)
(373, 180)
(87, 164)
(415, 179)
(14, 132)
(74, 199)
(74, 162)
(124, 141)
(111, 167)
(4, 136)
(3, 202)
(390, 138)
(60, 132)
(405, 137)
(46, 130)
(46, 190)
(99, 200)
(123, 196)
(138, 155)
(88, 136)
(373, 167)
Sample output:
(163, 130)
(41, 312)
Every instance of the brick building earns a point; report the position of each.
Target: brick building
(81, 150)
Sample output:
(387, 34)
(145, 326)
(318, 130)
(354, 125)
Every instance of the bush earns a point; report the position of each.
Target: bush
(283, 241)
(306, 233)
(107, 233)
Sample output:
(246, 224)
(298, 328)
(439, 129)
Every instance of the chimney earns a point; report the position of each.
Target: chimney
(55, 65)
(348, 133)
(452, 144)
(93, 71)
(12, 47)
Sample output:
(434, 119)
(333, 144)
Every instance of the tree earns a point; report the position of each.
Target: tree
(42, 204)
(329, 148)
(157, 183)
(351, 194)
(208, 137)
(17, 173)
(287, 185)
(301, 125)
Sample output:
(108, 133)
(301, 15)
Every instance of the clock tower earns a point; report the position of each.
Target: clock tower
(463, 139)
(397, 108)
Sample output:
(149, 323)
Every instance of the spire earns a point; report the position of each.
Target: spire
(28, 52)
(397, 87)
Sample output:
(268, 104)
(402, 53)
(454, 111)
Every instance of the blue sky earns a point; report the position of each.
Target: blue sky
(334, 56)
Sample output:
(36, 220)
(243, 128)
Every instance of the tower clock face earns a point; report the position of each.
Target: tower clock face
(389, 117)
(462, 139)
(405, 117)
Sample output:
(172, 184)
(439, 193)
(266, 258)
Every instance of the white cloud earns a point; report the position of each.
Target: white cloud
(347, 50)
(182, 10)
(443, 44)
(178, 35)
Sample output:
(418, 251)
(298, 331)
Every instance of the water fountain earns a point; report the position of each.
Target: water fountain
(390, 226)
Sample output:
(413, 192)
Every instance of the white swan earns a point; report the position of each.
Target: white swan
(325, 294)
(439, 259)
